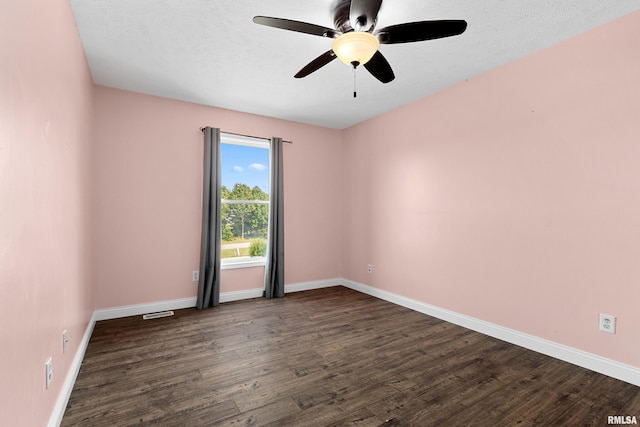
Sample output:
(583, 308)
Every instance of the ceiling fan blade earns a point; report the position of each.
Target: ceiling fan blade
(419, 31)
(363, 13)
(379, 68)
(301, 27)
(316, 64)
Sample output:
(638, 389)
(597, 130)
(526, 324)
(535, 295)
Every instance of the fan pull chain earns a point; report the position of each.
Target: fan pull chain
(354, 81)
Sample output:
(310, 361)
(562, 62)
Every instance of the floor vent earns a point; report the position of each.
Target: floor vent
(157, 315)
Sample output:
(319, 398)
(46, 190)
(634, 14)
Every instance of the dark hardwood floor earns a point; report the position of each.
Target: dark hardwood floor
(327, 357)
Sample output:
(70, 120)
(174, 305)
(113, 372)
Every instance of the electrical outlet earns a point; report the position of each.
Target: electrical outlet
(48, 369)
(369, 268)
(608, 323)
(65, 341)
(195, 275)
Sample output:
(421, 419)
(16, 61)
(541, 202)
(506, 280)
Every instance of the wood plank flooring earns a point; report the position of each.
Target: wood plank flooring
(327, 357)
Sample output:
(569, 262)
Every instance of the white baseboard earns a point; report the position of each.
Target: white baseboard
(177, 304)
(139, 309)
(70, 380)
(577, 357)
(295, 287)
(241, 295)
(307, 286)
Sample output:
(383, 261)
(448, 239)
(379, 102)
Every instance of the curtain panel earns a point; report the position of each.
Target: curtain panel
(209, 280)
(274, 268)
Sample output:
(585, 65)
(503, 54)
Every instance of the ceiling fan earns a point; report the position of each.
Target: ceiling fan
(356, 39)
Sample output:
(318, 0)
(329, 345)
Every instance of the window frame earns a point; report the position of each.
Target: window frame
(246, 141)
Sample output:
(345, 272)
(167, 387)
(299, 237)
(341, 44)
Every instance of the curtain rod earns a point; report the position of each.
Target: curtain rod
(249, 136)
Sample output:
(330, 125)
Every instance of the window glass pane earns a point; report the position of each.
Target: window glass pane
(245, 201)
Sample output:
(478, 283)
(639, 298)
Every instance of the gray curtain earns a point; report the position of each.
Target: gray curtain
(209, 283)
(274, 269)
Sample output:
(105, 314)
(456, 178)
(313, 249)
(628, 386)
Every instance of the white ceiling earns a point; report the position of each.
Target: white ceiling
(210, 52)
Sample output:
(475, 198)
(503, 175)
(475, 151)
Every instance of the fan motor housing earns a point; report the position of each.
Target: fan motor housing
(341, 16)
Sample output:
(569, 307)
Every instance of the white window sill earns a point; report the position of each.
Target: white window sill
(247, 262)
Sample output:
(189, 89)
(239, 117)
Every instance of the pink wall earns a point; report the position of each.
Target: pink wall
(148, 197)
(512, 197)
(45, 132)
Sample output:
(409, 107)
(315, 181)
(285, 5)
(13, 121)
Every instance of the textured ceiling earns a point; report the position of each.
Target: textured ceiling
(210, 52)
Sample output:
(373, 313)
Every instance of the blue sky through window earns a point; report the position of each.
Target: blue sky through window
(246, 165)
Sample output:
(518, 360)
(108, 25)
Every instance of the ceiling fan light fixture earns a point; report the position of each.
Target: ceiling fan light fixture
(355, 47)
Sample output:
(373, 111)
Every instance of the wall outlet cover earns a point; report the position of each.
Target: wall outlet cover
(608, 323)
(48, 370)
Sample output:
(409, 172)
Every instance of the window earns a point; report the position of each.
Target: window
(245, 200)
